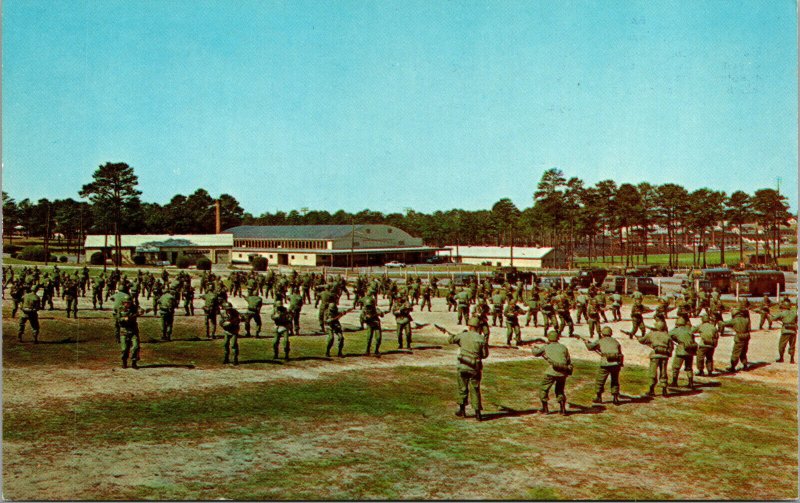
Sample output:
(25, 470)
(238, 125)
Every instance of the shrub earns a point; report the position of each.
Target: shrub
(183, 262)
(139, 259)
(259, 263)
(32, 253)
(11, 249)
(203, 264)
(62, 259)
(96, 258)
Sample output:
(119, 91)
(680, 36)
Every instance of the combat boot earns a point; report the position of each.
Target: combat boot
(562, 408)
(225, 361)
(236, 360)
(791, 359)
(478, 416)
(664, 391)
(615, 397)
(286, 356)
(339, 354)
(780, 359)
(598, 398)
(124, 363)
(674, 382)
(545, 409)
(134, 364)
(461, 412)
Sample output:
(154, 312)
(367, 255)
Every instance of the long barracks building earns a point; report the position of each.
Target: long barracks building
(327, 245)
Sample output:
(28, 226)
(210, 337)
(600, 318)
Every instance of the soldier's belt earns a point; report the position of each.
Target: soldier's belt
(470, 362)
(662, 350)
(564, 369)
(612, 357)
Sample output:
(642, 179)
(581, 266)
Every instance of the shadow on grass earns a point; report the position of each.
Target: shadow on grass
(166, 366)
(575, 408)
(398, 351)
(68, 340)
(423, 348)
(626, 399)
(313, 358)
(709, 384)
(508, 412)
(672, 392)
(271, 362)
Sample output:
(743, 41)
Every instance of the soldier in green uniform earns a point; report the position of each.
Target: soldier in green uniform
(593, 315)
(426, 297)
(764, 310)
(230, 322)
(283, 327)
(17, 293)
(323, 298)
(335, 330)
(581, 307)
(741, 341)
(557, 355)
(511, 313)
(127, 316)
(402, 316)
(97, 291)
(637, 311)
(166, 309)
(549, 314)
(254, 304)
(117, 301)
(498, 299)
(533, 310)
(473, 348)
(564, 316)
(71, 296)
(611, 361)
(372, 318)
(601, 305)
(709, 337)
(661, 343)
(462, 306)
(211, 309)
(295, 307)
(685, 351)
(450, 298)
(30, 313)
(788, 318)
(188, 300)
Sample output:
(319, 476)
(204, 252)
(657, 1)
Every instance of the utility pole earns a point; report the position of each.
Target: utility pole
(218, 221)
(352, 240)
(47, 236)
(80, 237)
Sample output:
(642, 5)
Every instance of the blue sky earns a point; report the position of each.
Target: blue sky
(396, 104)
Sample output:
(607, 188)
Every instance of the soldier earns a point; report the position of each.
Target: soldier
(166, 309)
(188, 300)
(30, 312)
(498, 299)
(661, 343)
(71, 296)
(549, 314)
(557, 355)
(788, 318)
(741, 341)
(564, 316)
(593, 315)
(473, 348)
(581, 305)
(254, 304)
(283, 327)
(210, 310)
(372, 318)
(462, 306)
(127, 317)
(764, 311)
(97, 291)
(481, 311)
(533, 310)
(17, 293)
(323, 298)
(402, 316)
(335, 330)
(685, 351)
(426, 298)
(709, 337)
(611, 361)
(601, 305)
(511, 314)
(117, 301)
(295, 307)
(637, 311)
(451, 298)
(230, 322)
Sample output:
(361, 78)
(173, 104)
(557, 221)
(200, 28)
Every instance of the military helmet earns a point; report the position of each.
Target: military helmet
(704, 317)
(552, 336)
(607, 332)
(738, 312)
(680, 322)
(473, 321)
(660, 325)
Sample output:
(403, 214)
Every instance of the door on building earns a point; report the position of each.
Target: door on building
(283, 259)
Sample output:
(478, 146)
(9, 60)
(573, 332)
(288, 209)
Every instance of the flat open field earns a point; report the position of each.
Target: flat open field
(77, 426)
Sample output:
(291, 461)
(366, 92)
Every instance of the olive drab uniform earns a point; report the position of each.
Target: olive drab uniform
(661, 343)
(497, 308)
(511, 314)
(741, 341)
(188, 300)
(473, 348)
(637, 318)
(616, 307)
(283, 327)
(230, 322)
(97, 291)
(210, 311)
(426, 298)
(372, 318)
(166, 309)
(601, 305)
(565, 318)
(611, 361)
(30, 313)
(533, 311)
(462, 306)
(788, 318)
(557, 355)
(71, 296)
(581, 305)
(322, 300)
(254, 304)
(549, 315)
(127, 317)
(335, 330)
(593, 315)
(402, 316)
(709, 338)
(295, 307)
(118, 300)
(685, 351)
(764, 311)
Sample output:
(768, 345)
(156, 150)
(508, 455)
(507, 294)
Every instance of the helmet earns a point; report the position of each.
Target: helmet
(473, 321)
(606, 332)
(552, 336)
(680, 322)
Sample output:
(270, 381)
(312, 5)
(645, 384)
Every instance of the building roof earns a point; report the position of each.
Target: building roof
(296, 231)
(500, 252)
(345, 251)
(152, 241)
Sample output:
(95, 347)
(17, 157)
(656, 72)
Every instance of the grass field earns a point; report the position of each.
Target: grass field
(686, 259)
(76, 426)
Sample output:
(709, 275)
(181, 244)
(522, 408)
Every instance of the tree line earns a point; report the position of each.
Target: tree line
(605, 219)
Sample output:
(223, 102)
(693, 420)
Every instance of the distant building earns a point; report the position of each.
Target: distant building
(501, 256)
(164, 247)
(327, 245)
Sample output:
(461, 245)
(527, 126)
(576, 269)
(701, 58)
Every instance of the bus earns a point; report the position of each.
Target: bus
(719, 278)
(758, 283)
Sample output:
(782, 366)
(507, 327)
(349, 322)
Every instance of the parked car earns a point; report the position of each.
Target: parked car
(512, 275)
(586, 277)
(438, 259)
(645, 285)
(394, 263)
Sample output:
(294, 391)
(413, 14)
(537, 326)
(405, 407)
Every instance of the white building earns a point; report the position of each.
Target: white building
(163, 247)
(536, 258)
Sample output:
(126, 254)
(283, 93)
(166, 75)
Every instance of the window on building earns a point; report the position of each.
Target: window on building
(367, 230)
(305, 257)
(292, 257)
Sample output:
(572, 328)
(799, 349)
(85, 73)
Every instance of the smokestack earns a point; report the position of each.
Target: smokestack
(218, 209)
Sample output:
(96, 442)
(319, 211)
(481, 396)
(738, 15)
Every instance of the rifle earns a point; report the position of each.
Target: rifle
(341, 315)
(442, 329)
